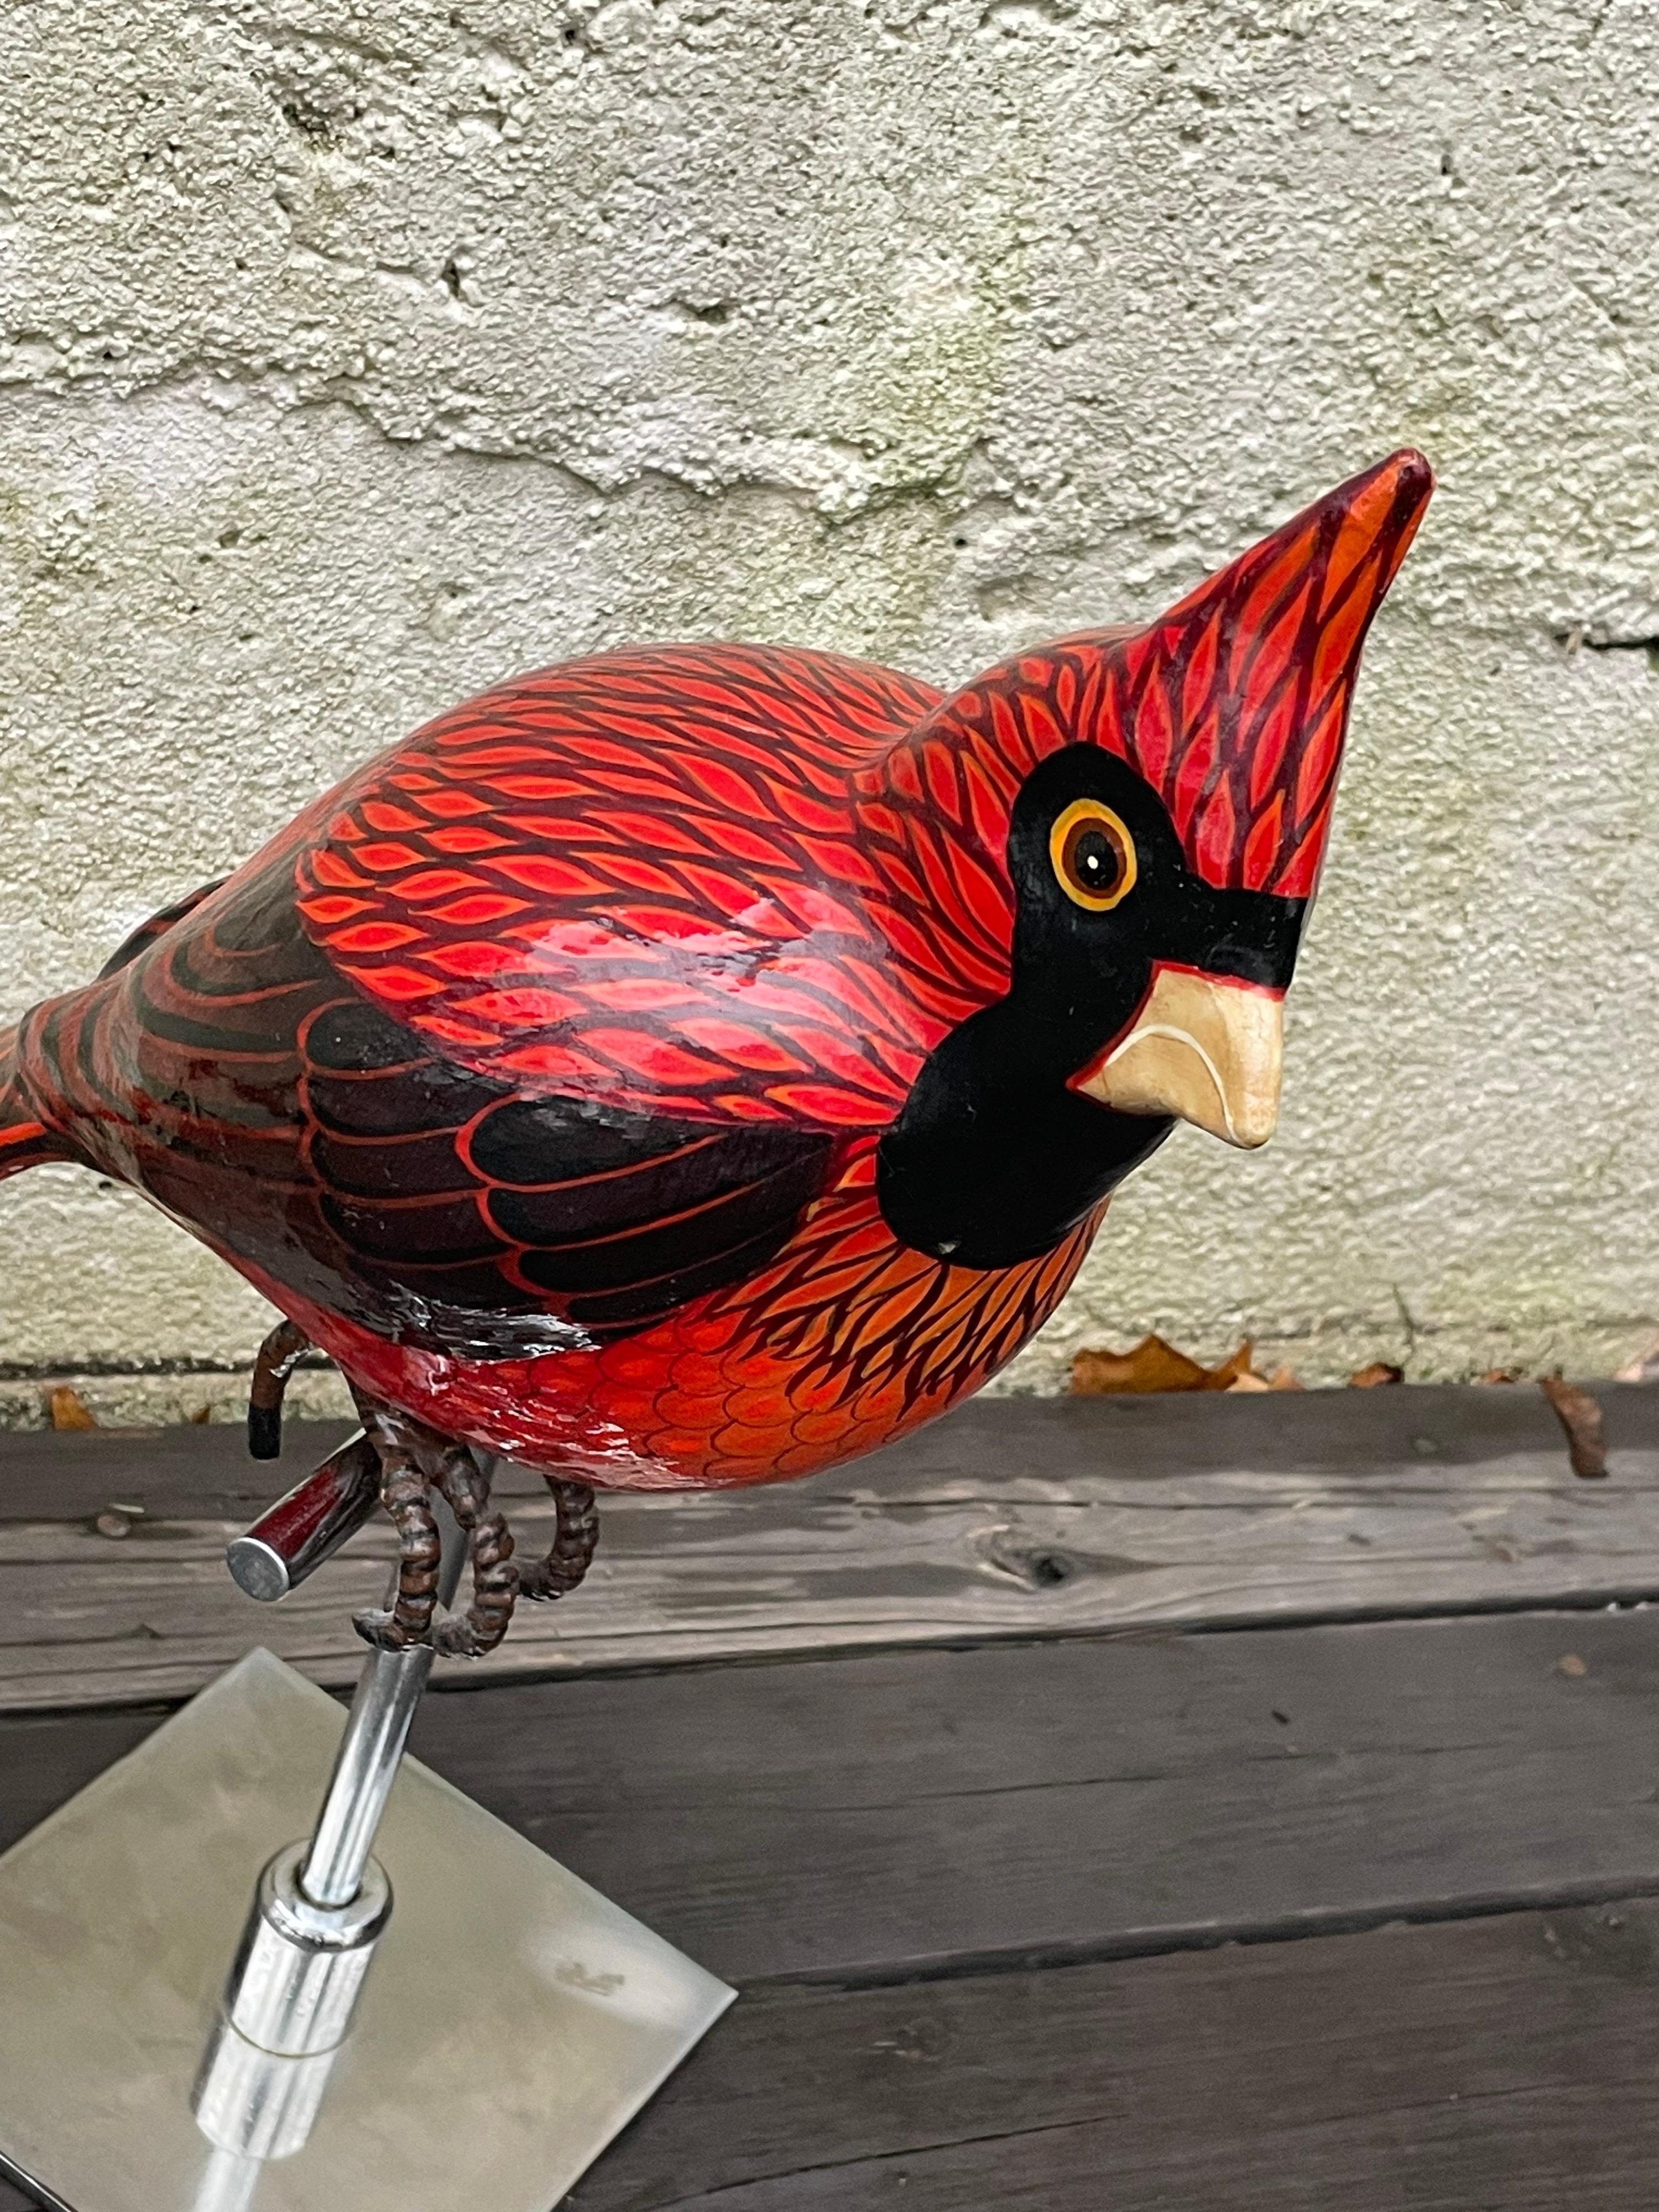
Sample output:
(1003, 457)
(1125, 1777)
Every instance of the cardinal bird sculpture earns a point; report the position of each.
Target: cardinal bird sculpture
(702, 1064)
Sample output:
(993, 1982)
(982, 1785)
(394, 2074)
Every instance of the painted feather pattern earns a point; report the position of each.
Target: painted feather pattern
(701, 923)
(564, 1073)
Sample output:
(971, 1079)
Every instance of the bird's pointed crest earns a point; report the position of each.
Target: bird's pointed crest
(1233, 705)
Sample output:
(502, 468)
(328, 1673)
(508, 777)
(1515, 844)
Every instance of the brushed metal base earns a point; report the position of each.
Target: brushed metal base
(514, 2019)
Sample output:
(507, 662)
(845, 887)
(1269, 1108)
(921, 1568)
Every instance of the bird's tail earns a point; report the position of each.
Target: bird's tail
(41, 1086)
(25, 1140)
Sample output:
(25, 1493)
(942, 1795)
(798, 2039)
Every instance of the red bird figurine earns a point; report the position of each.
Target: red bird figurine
(702, 1064)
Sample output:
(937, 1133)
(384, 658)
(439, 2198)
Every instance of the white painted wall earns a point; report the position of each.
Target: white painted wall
(357, 356)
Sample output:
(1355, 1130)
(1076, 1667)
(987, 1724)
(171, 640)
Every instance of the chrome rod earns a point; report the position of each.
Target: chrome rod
(366, 1766)
(321, 1906)
(291, 1539)
(229, 2183)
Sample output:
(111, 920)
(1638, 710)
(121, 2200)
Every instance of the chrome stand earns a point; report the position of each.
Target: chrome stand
(513, 2022)
(320, 1906)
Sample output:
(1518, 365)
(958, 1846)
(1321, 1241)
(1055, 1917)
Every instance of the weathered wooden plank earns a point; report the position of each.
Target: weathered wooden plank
(1015, 1518)
(205, 1472)
(1498, 2066)
(185, 1472)
(892, 1811)
(889, 1814)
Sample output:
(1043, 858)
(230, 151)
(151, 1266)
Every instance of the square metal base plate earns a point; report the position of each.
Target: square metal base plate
(512, 2019)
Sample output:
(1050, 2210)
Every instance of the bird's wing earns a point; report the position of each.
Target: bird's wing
(140, 939)
(264, 1099)
(638, 877)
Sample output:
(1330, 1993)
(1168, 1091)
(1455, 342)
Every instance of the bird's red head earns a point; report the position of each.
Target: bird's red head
(1014, 932)
(1117, 836)
(1232, 708)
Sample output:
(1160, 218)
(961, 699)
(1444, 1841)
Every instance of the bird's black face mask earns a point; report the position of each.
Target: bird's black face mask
(1140, 995)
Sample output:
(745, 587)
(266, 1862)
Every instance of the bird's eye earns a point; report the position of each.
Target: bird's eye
(1093, 856)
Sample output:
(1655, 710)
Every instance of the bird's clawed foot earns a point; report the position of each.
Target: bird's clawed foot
(465, 1488)
(572, 1549)
(415, 1461)
(277, 1357)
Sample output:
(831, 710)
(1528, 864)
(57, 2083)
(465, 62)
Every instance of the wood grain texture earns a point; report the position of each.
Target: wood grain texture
(895, 1813)
(1014, 1518)
(1499, 2065)
(938, 1873)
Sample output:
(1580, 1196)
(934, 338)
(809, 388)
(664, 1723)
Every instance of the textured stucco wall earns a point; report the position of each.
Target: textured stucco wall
(355, 355)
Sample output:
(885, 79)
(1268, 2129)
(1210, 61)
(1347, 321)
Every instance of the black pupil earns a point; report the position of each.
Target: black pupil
(1097, 863)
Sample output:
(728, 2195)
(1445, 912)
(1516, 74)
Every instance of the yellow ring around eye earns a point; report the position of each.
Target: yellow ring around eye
(1070, 828)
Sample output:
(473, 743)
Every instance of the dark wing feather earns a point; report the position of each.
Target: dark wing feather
(158, 925)
(312, 1133)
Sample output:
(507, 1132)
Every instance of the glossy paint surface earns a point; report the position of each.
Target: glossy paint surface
(666, 1067)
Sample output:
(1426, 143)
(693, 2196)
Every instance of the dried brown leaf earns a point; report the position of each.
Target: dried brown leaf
(69, 1409)
(1377, 1375)
(1581, 1417)
(1501, 1375)
(1151, 1365)
(1236, 1365)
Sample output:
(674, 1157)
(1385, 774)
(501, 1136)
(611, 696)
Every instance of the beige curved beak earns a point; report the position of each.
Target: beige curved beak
(1203, 1047)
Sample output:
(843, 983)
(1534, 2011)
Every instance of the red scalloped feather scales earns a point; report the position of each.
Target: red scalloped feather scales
(734, 881)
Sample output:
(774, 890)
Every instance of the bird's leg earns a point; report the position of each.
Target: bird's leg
(415, 1461)
(404, 1483)
(573, 1547)
(465, 1487)
(274, 1361)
